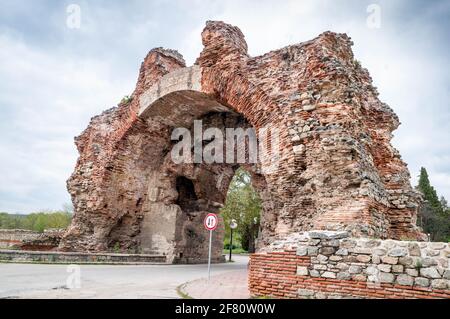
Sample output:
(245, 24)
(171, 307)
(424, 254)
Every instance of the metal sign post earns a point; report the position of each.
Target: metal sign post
(210, 223)
(209, 255)
(233, 225)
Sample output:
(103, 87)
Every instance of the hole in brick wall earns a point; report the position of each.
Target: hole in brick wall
(186, 194)
(138, 202)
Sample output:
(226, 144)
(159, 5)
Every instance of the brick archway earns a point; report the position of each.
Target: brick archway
(337, 169)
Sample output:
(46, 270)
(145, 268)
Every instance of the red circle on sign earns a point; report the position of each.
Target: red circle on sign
(211, 221)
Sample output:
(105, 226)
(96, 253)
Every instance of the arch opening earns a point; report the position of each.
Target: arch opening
(175, 195)
(243, 206)
(202, 187)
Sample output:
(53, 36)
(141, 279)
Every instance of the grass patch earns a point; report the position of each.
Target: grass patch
(183, 294)
(236, 251)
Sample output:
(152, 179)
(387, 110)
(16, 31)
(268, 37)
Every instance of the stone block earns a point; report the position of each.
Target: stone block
(371, 270)
(414, 249)
(398, 252)
(439, 283)
(389, 260)
(306, 292)
(354, 269)
(302, 271)
(430, 272)
(312, 250)
(437, 246)
(380, 251)
(428, 262)
(342, 252)
(329, 274)
(421, 282)
(302, 251)
(363, 258)
(447, 274)
(406, 261)
(331, 243)
(314, 273)
(371, 243)
(412, 272)
(405, 280)
(432, 252)
(335, 258)
(320, 267)
(328, 234)
(342, 266)
(386, 277)
(309, 107)
(327, 250)
(397, 268)
(343, 275)
(359, 277)
(385, 267)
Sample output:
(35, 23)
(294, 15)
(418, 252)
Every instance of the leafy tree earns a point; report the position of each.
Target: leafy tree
(36, 221)
(444, 203)
(428, 191)
(10, 221)
(243, 204)
(40, 222)
(434, 214)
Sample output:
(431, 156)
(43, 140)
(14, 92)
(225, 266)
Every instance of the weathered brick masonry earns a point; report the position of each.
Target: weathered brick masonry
(337, 169)
(30, 240)
(333, 265)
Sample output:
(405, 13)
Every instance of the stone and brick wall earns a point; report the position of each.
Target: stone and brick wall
(11, 238)
(335, 169)
(29, 240)
(54, 257)
(323, 264)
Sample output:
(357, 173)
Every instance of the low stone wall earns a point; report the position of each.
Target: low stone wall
(30, 240)
(193, 261)
(17, 256)
(10, 238)
(323, 264)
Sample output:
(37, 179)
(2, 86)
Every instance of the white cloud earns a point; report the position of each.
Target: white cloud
(46, 99)
(50, 88)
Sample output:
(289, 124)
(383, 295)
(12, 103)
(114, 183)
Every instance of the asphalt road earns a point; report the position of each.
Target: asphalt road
(104, 281)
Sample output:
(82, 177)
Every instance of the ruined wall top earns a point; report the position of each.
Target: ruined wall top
(337, 169)
(221, 41)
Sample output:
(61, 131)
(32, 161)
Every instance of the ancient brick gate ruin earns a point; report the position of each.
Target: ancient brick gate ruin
(336, 168)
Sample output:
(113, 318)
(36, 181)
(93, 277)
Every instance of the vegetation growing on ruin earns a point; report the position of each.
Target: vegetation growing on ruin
(126, 99)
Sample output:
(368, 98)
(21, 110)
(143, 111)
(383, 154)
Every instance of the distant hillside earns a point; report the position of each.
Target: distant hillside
(36, 221)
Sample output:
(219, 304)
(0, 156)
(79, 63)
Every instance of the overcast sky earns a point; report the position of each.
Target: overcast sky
(53, 78)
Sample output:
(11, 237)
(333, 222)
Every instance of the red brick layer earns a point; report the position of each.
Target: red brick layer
(274, 274)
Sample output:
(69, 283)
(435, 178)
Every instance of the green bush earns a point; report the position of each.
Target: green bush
(36, 221)
(126, 99)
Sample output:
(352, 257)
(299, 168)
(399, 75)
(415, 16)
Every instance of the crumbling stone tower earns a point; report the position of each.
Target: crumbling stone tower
(337, 169)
